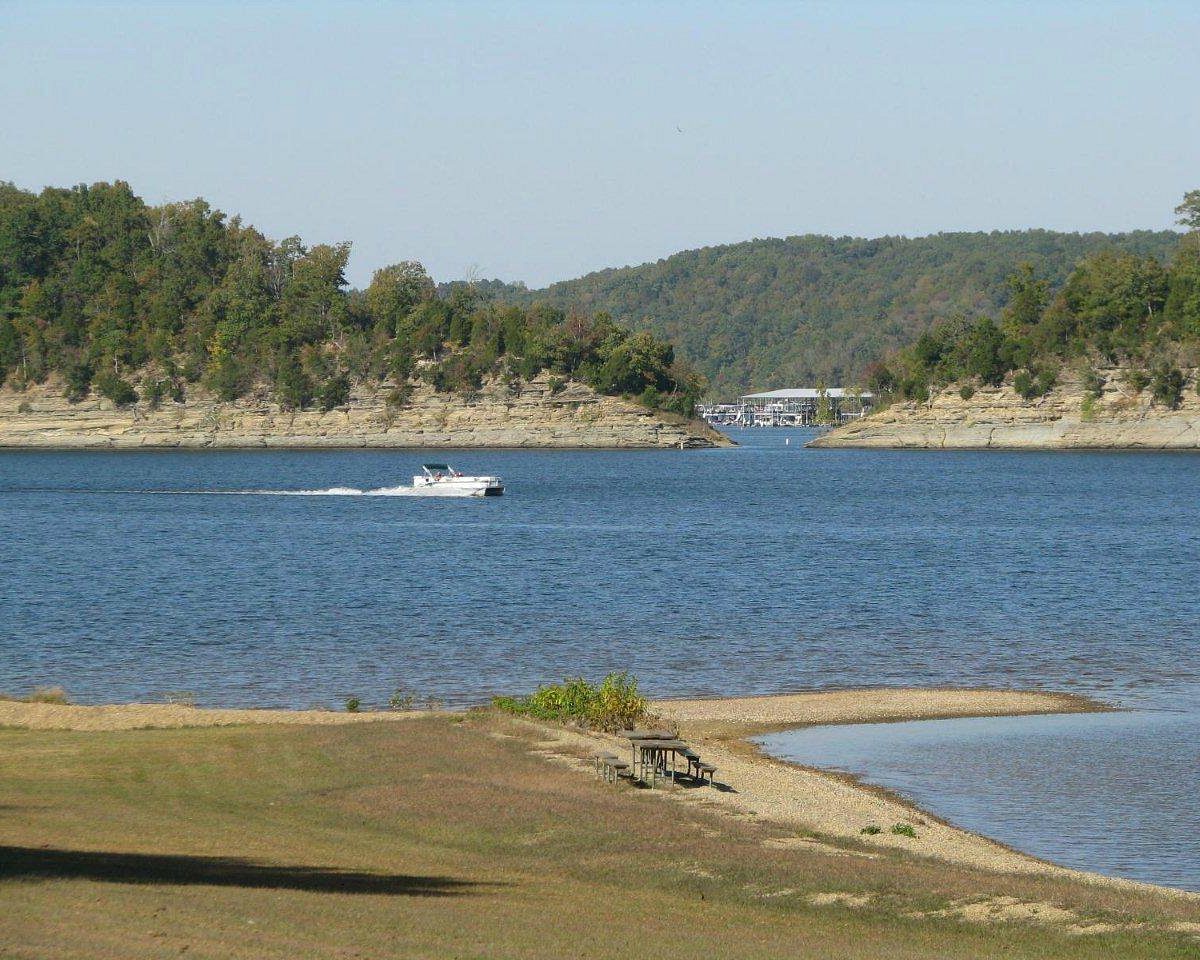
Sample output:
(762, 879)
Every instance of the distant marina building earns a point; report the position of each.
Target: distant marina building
(794, 407)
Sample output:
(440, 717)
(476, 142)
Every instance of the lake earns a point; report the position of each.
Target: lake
(760, 568)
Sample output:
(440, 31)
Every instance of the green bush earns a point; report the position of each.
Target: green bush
(1024, 386)
(1166, 386)
(967, 391)
(293, 387)
(114, 388)
(79, 381)
(399, 395)
(1031, 385)
(353, 704)
(333, 392)
(903, 830)
(1093, 384)
(1136, 380)
(613, 704)
(871, 830)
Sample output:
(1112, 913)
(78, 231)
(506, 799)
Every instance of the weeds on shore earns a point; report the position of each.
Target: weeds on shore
(402, 699)
(41, 695)
(903, 830)
(613, 704)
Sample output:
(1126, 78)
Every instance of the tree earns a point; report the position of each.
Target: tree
(397, 289)
(1028, 297)
(824, 407)
(1182, 308)
(986, 355)
(115, 388)
(1189, 210)
(293, 387)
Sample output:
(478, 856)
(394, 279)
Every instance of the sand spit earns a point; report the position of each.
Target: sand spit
(828, 811)
(141, 716)
(729, 717)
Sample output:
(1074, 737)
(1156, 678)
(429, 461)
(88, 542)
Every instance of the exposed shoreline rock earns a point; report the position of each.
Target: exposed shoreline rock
(1063, 419)
(535, 416)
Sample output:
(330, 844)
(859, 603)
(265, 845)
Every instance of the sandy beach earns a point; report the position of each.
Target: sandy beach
(828, 809)
(155, 716)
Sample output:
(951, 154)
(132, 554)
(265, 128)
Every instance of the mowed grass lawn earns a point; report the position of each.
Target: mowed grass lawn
(445, 838)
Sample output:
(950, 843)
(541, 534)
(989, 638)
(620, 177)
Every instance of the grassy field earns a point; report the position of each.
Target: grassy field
(445, 837)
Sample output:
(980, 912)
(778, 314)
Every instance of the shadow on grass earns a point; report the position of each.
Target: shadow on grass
(35, 863)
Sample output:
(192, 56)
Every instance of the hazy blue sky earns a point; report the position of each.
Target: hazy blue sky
(538, 141)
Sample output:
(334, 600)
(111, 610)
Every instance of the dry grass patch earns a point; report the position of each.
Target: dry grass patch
(432, 838)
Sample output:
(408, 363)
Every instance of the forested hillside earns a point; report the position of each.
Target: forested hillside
(772, 313)
(138, 302)
(1117, 308)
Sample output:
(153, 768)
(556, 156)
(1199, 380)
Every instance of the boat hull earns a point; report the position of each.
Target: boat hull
(459, 487)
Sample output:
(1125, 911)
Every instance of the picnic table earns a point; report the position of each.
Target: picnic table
(652, 750)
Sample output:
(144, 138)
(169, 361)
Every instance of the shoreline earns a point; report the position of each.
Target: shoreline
(833, 806)
(540, 415)
(1068, 417)
(827, 809)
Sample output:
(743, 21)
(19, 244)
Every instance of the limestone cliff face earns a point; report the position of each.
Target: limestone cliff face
(534, 416)
(1063, 419)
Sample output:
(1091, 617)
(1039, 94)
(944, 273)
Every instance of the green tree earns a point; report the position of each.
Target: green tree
(1189, 210)
(293, 387)
(394, 292)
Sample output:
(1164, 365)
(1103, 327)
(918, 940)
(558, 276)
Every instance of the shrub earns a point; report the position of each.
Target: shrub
(903, 830)
(79, 381)
(333, 392)
(650, 398)
(1166, 386)
(154, 391)
(556, 385)
(871, 830)
(1024, 386)
(613, 704)
(353, 704)
(401, 700)
(49, 695)
(114, 388)
(967, 391)
(293, 387)
(399, 395)
(1136, 380)
(1031, 385)
(1093, 384)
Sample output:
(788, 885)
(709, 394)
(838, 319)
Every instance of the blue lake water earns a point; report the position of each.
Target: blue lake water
(1113, 793)
(760, 568)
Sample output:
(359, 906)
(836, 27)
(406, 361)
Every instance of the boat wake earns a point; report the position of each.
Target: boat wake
(352, 492)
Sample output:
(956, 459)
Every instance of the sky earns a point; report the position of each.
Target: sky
(539, 141)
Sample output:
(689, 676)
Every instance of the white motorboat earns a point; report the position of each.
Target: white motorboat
(440, 479)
